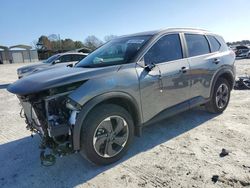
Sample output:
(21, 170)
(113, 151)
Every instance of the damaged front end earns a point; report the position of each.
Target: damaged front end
(52, 115)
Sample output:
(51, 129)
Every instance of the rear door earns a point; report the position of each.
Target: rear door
(204, 61)
(166, 84)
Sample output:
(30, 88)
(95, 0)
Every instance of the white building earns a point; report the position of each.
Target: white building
(17, 54)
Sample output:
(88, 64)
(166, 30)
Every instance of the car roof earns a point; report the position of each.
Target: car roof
(72, 53)
(169, 30)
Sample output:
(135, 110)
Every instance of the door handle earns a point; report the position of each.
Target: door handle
(216, 61)
(183, 69)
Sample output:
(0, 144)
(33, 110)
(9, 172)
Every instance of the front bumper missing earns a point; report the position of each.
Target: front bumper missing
(32, 120)
(50, 133)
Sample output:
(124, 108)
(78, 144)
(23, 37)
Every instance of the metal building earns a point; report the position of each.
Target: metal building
(17, 54)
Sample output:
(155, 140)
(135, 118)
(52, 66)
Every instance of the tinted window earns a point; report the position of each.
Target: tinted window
(214, 44)
(77, 57)
(168, 48)
(65, 58)
(197, 44)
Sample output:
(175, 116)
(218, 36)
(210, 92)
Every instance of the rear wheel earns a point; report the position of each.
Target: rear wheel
(220, 97)
(106, 134)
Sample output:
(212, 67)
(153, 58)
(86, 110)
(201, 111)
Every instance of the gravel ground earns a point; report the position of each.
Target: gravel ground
(182, 151)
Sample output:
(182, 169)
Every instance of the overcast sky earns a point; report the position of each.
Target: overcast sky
(23, 21)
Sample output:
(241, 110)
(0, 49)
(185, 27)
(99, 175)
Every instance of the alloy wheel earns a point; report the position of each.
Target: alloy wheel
(222, 96)
(110, 136)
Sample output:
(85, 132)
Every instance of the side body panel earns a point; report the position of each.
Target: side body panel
(205, 69)
(202, 70)
(124, 79)
(122, 83)
(163, 87)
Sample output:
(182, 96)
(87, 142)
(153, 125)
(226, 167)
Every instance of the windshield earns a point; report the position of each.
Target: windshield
(51, 59)
(116, 52)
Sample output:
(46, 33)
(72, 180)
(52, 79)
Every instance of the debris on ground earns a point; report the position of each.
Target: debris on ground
(215, 178)
(242, 83)
(224, 152)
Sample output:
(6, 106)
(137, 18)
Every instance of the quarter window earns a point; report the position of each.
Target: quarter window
(167, 48)
(197, 44)
(65, 58)
(214, 44)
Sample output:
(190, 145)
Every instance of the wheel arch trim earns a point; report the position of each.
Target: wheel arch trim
(221, 72)
(86, 108)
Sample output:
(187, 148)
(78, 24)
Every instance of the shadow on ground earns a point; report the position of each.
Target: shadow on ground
(20, 163)
(4, 86)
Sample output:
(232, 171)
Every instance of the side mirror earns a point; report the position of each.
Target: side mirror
(70, 65)
(56, 61)
(149, 67)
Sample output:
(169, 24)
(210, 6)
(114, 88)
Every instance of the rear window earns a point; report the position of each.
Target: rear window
(214, 43)
(197, 44)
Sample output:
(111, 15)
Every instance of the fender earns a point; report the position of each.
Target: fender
(91, 104)
(227, 70)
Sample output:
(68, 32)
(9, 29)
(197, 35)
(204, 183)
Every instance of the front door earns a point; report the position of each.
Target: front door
(166, 84)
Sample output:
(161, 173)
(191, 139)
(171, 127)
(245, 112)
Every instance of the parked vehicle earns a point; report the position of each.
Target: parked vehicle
(132, 81)
(61, 59)
(242, 51)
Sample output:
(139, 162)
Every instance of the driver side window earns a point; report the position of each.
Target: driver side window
(167, 48)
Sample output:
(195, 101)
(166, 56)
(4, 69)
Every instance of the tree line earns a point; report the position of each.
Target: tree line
(236, 43)
(52, 44)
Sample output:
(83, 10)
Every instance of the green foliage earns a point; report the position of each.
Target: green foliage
(243, 42)
(55, 44)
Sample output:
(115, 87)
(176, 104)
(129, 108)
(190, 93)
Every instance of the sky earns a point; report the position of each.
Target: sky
(24, 21)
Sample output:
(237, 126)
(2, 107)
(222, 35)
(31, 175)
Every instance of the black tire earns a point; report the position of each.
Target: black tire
(92, 124)
(212, 106)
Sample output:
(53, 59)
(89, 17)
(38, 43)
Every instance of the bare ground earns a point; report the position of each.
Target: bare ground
(182, 151)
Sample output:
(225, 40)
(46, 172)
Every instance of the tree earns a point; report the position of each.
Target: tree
(109, 37)
(92, 42)
(78, 44)
(68, 44)
(54, 37)
(44, 43)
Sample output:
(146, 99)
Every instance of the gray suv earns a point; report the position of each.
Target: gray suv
(97, 106)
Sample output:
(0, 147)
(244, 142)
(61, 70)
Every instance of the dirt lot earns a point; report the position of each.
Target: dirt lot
(182, 151)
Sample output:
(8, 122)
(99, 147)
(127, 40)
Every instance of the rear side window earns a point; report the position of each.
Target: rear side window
(197, 44)
(77, 57)
(214, 43)
(167, 48)
(65, 58)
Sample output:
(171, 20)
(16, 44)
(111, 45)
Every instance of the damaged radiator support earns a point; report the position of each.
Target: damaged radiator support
(54, 126)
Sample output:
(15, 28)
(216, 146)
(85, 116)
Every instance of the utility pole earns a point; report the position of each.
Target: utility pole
(60, 43)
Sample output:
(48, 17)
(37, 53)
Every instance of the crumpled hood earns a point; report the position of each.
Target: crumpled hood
(55, 77)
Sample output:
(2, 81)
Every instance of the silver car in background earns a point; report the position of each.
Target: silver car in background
(61, 59)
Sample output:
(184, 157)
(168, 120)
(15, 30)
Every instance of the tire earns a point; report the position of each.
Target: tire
(214, 106)
(98, 142)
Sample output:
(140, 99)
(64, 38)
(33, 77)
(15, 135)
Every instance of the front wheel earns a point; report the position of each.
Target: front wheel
(220, 97)
(106, 134)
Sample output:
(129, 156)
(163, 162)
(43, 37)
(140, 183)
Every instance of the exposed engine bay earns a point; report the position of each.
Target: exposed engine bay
(52, 116)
